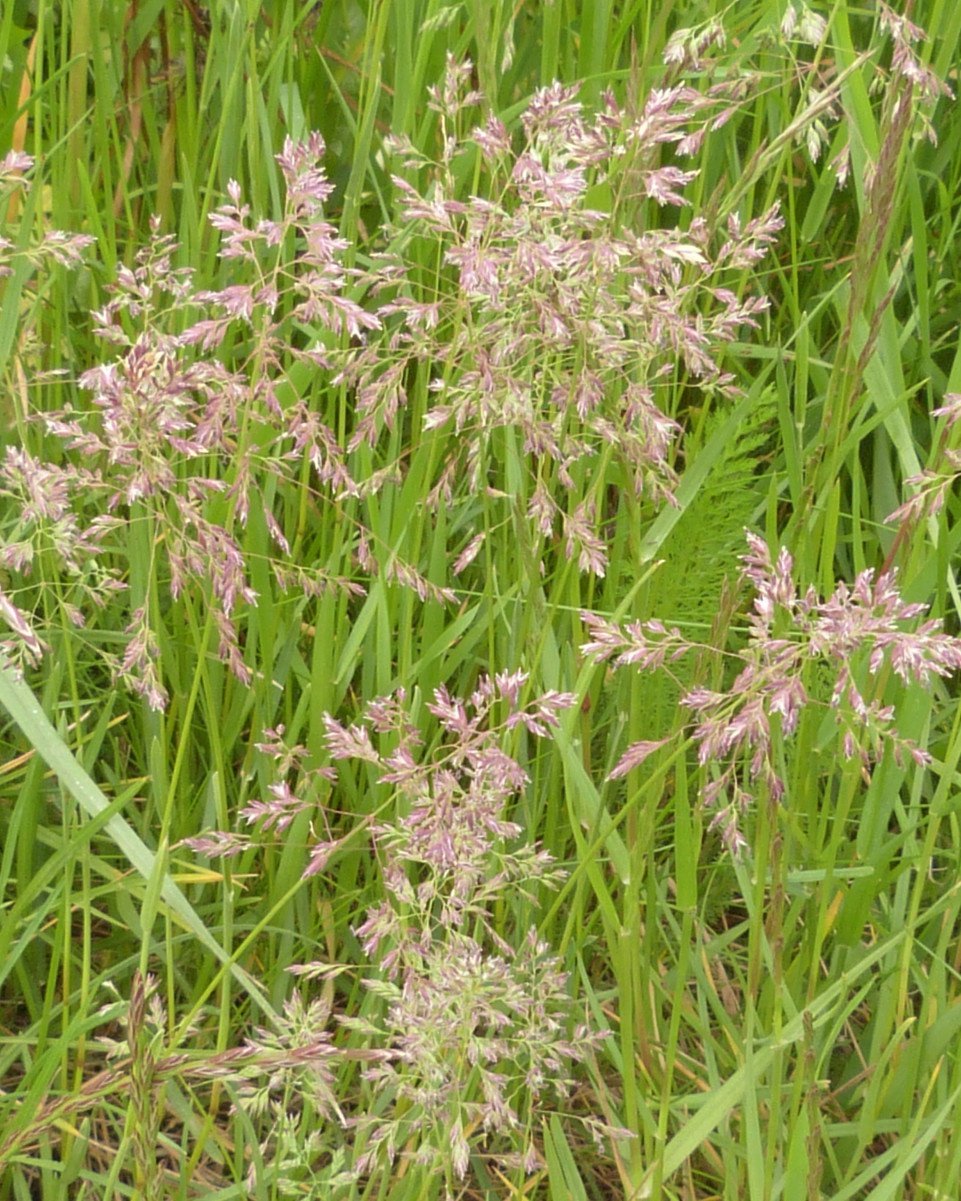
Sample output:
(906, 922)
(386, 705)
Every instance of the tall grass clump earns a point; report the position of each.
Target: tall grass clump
(479, 621)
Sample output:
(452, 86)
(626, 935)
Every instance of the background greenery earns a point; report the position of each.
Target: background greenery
(783, 1025)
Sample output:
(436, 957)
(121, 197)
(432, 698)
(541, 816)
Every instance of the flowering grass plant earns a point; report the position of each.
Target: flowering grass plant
(477, 606)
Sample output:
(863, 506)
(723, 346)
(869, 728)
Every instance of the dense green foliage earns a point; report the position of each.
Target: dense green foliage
(448, 424)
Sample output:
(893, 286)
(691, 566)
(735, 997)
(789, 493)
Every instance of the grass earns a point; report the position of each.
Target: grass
(777, 1022)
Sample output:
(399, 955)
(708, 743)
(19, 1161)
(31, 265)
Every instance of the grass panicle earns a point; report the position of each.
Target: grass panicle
(478, 614)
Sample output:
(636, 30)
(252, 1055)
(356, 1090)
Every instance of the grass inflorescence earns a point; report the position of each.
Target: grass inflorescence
(478, 616)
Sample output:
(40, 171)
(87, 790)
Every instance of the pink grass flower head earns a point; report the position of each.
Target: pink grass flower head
(855, 634)
(473, 1027)
(188, 433)
(564, 320)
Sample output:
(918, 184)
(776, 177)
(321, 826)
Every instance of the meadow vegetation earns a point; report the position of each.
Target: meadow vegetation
(478, 610)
